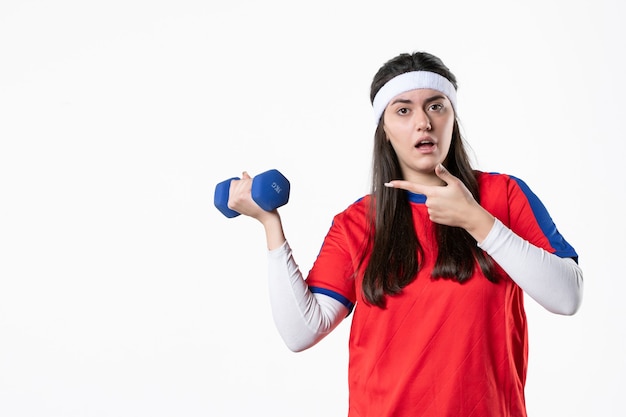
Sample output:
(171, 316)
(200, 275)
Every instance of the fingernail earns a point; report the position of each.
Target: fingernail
(388, 184)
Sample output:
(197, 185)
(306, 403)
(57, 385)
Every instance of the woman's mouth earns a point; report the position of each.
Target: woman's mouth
(425, 146)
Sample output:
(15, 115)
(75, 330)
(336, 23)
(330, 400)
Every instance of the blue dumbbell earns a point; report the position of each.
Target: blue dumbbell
(270, 190)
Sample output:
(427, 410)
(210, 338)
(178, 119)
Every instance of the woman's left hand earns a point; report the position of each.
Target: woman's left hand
(451, 204)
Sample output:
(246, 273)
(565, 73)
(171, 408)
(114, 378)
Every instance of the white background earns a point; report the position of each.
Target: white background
(124, 292)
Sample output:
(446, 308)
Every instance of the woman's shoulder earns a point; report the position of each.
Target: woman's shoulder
(354, 215)
(491, 179)
(503, 190)
(358, 208)
(494, 179)
(359, 204)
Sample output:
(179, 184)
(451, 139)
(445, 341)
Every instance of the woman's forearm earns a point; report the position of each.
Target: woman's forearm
(555, 283)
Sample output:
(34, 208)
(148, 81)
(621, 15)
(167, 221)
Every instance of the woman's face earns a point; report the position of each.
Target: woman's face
(419, 125)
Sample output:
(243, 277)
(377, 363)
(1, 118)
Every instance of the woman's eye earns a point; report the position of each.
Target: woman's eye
(436, 107)
(403, 110)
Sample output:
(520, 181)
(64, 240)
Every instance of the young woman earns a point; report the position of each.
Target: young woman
(433, 264)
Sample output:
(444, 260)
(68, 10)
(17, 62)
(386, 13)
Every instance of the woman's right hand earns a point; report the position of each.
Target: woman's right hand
(240, 200)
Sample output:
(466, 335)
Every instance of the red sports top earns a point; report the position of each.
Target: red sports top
(440, 348)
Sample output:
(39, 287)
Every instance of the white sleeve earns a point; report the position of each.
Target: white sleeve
(301, 317)
(555, 283)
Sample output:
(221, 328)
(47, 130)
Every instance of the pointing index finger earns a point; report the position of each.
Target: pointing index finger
(409, 186)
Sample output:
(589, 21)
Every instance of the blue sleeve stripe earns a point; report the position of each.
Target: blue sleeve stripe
(562, 248)
(335, 295)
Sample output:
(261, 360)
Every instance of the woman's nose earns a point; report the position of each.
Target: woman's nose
(423, 121)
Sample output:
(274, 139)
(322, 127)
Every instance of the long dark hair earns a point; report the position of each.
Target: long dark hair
(396, 253)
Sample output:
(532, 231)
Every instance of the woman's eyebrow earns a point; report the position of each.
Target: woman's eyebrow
(401, 100)
(426, 101)
(435, 98)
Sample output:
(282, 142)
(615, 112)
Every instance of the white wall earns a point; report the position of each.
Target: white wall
(124, 292)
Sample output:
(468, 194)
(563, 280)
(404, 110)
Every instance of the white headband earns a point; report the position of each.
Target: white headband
(411, 81)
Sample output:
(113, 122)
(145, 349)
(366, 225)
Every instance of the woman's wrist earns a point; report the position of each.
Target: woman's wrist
(479, 224)
(273, 230)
